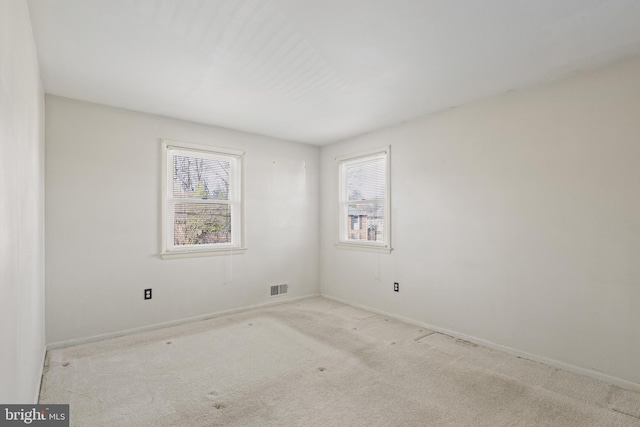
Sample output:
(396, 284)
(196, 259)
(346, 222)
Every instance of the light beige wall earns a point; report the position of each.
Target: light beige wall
(516, 221)
(21, 208)
(103, 223)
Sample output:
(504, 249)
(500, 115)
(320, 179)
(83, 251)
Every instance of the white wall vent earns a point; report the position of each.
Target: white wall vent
(279, 289)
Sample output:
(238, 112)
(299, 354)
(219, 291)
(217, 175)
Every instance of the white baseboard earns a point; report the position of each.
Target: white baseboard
(630, 385)
(85, 340)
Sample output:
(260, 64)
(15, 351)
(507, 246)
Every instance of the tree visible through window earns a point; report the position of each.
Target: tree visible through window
(202, 179)
(202, 198)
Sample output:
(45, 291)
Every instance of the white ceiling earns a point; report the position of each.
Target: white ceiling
(318, 71)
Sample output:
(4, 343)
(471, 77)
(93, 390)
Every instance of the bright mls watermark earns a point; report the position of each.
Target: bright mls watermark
(36, 415)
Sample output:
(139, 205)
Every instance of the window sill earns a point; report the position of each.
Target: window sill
(197, 254)
(364, 247)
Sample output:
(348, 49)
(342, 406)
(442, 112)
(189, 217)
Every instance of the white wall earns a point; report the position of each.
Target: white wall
(516, 220)
(103, 216)
(21, 208)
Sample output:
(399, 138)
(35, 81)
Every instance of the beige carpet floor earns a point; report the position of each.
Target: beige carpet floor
(317, 362)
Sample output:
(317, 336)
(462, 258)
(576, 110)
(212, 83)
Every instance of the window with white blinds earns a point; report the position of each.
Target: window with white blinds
(202, 199)
(364, 210)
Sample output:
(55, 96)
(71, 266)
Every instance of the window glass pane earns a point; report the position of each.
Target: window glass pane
(202, 224)
(366, 180)
(200, 178)
(366, 222)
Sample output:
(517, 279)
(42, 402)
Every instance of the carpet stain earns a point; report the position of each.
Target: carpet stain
(219, 406)
(168, 342)
(623, 402)
(624, 413)
(321, 369)
(65, 364)
(423, 336)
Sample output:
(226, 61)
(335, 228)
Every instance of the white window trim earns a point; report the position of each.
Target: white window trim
(167, 250)
(343, 219)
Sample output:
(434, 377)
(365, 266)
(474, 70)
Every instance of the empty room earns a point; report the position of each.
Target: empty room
(320, 213)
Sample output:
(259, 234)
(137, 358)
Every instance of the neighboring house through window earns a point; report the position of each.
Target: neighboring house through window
(364, 200)
(202, 200)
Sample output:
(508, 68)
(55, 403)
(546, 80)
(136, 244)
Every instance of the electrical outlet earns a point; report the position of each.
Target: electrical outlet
(396, 287)
(147, 293)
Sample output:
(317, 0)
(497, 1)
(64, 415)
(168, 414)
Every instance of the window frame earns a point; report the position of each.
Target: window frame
(343, 203)
(236, 200)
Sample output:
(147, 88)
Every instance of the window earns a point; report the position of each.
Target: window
(202, 200)
(364, 206)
